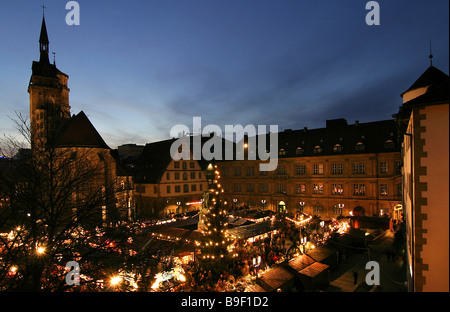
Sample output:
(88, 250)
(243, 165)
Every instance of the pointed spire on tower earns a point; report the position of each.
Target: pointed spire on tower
(43, 41)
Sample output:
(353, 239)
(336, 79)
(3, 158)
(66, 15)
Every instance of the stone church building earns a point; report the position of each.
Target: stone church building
(73, 137)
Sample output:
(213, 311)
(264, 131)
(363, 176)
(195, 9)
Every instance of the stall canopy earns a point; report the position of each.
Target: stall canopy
(237, 221)
(252, 230)
(167, 232)
(190, 223)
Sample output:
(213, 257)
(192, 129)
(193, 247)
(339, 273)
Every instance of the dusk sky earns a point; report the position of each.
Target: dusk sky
(137, 68)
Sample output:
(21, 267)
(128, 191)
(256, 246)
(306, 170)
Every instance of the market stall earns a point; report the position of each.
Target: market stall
(277, 279)
(315, 276)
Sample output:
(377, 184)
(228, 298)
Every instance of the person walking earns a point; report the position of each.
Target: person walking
(355, 277)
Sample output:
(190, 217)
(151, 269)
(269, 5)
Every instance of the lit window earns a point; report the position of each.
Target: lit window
(383, 189)
(318, 169)
(300, 188)
(360, 146)
(318, 188)
(337, 148)
(299, 151)
(359, 189)
(317, 149)
(337, 189)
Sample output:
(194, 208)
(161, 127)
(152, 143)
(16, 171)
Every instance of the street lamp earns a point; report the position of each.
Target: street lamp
(178, 208)
(235, 201)
(302, 205)
(263, 202)
(341, 207)
(303, 242)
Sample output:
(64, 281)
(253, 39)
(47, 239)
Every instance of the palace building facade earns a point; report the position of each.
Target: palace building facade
(339, 170)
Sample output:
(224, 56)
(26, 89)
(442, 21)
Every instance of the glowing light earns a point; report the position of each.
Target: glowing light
(40, 250)
(115, 280)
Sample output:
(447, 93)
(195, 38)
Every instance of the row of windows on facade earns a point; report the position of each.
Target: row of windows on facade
(317, 207)
(359, 189)
(176, 164)
(360, 146)
(176, 188)
(318, 169)
(185, 175)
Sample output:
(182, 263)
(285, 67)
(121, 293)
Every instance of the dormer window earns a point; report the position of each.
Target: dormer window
(337, 148)
(389, 144)
(299, 151)
(317, 149)
(282, 152)
(360, 146)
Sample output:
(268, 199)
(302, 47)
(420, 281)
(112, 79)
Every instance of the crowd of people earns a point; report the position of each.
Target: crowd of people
(253, 257)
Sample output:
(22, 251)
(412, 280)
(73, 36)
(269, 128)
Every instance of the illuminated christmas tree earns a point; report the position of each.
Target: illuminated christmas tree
(213, 219)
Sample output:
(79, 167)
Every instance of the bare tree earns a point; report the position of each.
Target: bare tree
(53, 200)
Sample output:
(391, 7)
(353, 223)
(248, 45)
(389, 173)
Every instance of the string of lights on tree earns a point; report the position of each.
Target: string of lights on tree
(214, 218)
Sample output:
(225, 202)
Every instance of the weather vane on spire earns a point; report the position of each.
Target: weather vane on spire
(43, 9)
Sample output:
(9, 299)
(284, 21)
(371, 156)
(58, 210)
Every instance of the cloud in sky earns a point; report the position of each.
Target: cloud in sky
(137, 68)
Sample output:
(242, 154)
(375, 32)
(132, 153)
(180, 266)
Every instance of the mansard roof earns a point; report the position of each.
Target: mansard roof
(339, 139)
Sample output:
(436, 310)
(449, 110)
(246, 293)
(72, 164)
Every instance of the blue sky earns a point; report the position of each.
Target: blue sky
(137, 68)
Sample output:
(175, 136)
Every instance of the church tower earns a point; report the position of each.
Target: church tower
(49, 95)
